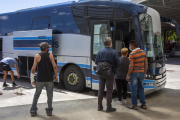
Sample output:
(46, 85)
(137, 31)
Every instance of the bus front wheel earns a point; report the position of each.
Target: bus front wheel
(74, 79)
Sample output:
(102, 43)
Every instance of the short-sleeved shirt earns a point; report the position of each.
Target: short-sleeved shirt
(139, 57)
(9, 61)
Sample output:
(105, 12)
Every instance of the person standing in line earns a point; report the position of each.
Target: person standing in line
(5, 65)
(46, 66)
(107, 56)
(120, 77)
(136, 74)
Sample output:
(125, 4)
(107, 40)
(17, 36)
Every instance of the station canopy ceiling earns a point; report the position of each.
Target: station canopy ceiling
(166, 8)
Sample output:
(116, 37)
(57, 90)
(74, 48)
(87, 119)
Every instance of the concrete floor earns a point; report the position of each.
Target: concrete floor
(163, 104)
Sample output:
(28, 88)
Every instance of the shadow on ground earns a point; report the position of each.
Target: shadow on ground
(163, 104)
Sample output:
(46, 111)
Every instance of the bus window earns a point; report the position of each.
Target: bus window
(40, 23)
(41, 13)
(57, 20)
(15, 22)
(62, 21)
(81, 23)
(70, 24)
(8, 24)
(100, 32)
(23, 21)
(152, 42)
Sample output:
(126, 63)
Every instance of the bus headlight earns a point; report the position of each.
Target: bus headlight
(158, 77)
(148, 76)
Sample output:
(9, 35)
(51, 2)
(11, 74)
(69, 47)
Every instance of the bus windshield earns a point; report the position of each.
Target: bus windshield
(152, 43)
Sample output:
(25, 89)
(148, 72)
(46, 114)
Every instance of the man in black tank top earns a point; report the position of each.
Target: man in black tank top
(46, 69)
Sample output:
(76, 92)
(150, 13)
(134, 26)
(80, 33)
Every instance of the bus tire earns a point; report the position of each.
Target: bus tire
(74, 79)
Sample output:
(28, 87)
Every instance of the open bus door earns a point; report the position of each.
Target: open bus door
(100, 30)
(26, 45)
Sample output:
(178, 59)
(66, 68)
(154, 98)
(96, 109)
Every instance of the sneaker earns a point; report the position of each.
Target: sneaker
(14, 84)
(0, 93)
(48, 112)
(33, 114)
(119, 102)
(5, 85)
(100, 108)
(110, 109)
(124, 101)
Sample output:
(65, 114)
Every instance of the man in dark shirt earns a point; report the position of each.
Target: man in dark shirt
(111, 56)
(46, 64)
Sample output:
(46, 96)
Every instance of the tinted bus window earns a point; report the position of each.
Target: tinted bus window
(62, 21)
(70, 24)
(40, 13)
(15, 22)
(57, 20)
(78, 16)
(40, 23)
(8, 24)
(23, 21)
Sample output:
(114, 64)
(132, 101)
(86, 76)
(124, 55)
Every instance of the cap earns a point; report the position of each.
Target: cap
(44, 45)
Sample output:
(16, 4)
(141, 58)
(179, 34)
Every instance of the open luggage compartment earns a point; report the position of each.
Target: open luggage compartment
(25, 65)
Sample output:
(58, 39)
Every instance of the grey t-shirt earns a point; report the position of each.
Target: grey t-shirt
(123, 68)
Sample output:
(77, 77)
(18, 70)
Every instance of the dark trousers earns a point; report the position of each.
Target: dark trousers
(108, 81)
(121, 86)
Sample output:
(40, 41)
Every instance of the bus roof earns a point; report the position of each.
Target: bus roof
(128, 6)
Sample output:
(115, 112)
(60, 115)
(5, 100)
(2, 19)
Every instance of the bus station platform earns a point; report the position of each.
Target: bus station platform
(162, 105)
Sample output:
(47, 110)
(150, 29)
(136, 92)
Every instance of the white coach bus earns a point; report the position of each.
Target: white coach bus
(76, 31)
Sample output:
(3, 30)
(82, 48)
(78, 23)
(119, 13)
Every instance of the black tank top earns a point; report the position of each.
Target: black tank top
(45, 68)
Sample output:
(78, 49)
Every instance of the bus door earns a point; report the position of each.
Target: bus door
(26, 45)
(100, 30)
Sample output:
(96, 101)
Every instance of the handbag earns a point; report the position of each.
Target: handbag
(104, 68)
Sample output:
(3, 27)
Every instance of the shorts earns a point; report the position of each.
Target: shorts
(4, 67)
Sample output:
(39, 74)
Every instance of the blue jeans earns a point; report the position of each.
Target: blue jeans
(49, 90)
(136, 82)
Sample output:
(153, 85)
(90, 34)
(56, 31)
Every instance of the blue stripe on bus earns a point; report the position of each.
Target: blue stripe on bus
(32, 38)
(93, 72)
(84, 66)
(148, 81)
(61, 64)
(95, 81)
(21, 48)
(149, 86)
(88, 78)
